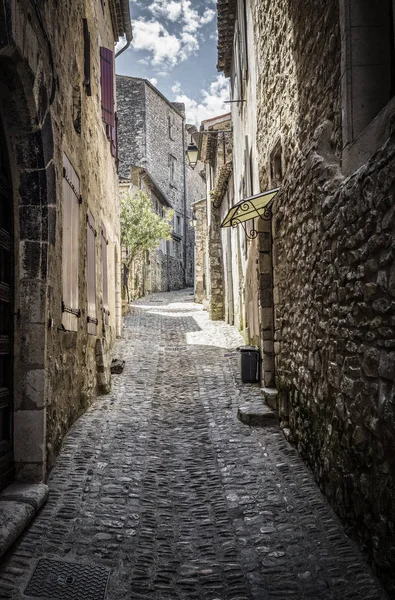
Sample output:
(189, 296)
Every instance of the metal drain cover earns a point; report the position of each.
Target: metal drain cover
(67, 581)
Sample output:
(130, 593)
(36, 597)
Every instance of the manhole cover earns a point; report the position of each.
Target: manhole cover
(67, 581)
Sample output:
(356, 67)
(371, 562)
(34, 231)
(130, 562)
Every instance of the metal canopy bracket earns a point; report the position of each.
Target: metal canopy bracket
(250, 208)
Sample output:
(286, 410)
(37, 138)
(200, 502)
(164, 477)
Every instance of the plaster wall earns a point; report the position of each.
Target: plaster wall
(245, 158)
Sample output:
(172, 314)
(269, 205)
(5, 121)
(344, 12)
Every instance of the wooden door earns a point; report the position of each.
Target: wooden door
(6, 317)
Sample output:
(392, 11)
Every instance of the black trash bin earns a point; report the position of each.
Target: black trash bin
(250, 364)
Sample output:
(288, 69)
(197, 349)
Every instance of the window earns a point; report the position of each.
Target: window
(91, 234)
(170, 125)
(172, 169)
(104, 265)
(276, 165)
(87, 58)
(367, 65)
(178, 225)
(247, 168)
(242, 33)
(70, 246)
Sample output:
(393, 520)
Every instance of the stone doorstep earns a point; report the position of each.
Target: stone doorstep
(270, 396)
(19, 503)
(256, 414)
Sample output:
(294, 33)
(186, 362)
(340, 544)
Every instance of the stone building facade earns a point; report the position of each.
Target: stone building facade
(215, 152)
(152, 137)
(59, 223)
(324, 123)
(152, 270)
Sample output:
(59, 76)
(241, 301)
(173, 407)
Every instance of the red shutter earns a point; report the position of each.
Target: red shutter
(104, 243)
(107, 85)
(91, 272)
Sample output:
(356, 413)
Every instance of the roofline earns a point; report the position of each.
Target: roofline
(152, 183)
(155, 90)
(227, 115)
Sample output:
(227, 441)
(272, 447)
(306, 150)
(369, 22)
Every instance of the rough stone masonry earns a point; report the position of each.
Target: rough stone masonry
(162, 485)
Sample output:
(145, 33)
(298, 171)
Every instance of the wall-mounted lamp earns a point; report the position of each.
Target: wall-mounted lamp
(192, 152)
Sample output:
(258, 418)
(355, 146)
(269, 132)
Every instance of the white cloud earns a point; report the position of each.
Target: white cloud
(170, 10)
(154, 81)
(208, 16)
(154, 38)
(176, 88)
(211, 105)
(186, 31)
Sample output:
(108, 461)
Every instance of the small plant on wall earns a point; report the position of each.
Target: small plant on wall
(142, 229)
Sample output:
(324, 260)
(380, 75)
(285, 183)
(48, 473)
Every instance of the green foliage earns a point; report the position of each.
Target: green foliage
(141, 228)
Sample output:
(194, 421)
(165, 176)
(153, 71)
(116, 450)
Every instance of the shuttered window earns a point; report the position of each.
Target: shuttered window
(107, 86)
(104, 244)
(70, 244)
(87, 58)
(112, 134)
(91, 273)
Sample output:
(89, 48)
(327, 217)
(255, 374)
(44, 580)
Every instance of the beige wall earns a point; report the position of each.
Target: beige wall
(57, 373)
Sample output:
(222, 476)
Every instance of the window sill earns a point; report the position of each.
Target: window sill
(358, 152)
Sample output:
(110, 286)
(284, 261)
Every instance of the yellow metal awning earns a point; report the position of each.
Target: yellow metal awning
(249, 208)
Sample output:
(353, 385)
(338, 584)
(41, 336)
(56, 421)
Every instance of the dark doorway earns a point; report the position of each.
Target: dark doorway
(6, 316)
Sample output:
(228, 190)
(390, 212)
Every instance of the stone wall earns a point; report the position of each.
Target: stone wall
(47, 114)
(132, 124)
(333, 259)
(196, 190)
(200, 212)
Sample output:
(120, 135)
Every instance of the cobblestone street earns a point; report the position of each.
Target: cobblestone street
(162, 485)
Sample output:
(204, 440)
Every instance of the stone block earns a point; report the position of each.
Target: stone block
(34, 494)
(14, 517)
(271, 397)
(29, 436)
(256, 414)
(33, 345)
(370, 363)
(30, 259)
(33, 395)
(33, 188)
(387, 365)
(33, 301)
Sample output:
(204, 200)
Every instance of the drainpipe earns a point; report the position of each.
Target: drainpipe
(127, 26)
(185, 202)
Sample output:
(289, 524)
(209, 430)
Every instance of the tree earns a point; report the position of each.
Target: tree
(141, 228)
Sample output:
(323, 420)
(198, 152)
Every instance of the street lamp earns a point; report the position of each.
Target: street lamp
(192, 154)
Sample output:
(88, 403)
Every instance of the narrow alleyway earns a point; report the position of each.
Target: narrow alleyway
(161, 484)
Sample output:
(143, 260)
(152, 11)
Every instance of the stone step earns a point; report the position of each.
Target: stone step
(270, 396)
(256, 414)
(19, 503)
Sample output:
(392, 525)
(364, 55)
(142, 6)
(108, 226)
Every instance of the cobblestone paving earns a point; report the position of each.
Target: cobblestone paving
(160, 483)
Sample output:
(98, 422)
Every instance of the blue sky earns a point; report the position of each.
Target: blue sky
(175, 47)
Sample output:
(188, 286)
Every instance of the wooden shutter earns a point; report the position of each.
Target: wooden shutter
(87, 58)
(104, 243)
(91, 234)
(70, 245)
(107, 85)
